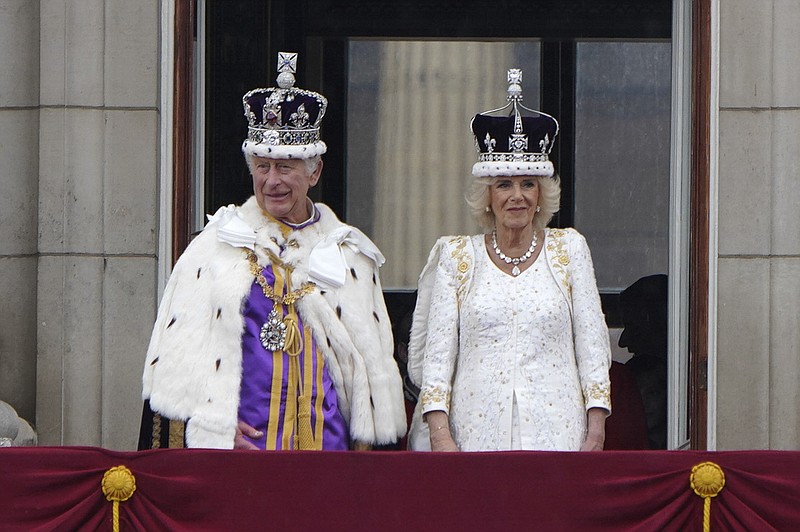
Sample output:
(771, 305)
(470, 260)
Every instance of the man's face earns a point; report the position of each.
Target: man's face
(644, 333)
(281, 187)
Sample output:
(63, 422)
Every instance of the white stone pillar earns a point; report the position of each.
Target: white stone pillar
(98, 218)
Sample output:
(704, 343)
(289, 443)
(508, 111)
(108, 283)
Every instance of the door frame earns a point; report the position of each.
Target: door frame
(176, 231)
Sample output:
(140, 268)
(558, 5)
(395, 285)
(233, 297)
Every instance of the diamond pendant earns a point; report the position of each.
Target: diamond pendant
(515, 270)
(273, 332)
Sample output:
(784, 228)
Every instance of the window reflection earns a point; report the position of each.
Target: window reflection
(410, 151)
(622, 158)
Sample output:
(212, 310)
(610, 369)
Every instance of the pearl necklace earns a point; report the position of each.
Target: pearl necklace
(515, 261)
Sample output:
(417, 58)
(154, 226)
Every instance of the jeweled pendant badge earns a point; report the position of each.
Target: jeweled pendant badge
(273, 332)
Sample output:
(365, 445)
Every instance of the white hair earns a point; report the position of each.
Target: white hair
(311, 162)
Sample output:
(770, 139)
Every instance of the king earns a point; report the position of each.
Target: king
(272, 332)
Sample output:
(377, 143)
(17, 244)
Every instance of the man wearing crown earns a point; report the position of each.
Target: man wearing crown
(272, 332)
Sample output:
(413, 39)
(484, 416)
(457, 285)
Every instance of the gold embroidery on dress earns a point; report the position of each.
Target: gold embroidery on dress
(464, 265)
(560, 262)
(434, 396)
(599, 392)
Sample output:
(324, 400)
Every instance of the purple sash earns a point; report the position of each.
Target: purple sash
(257, 380)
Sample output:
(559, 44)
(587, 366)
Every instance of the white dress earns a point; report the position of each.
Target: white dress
(509, 352)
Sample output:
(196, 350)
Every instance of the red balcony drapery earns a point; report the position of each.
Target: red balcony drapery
(59, 488)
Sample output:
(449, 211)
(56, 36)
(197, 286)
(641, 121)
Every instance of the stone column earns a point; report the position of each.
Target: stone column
(758, 355)
(19, 167)
(98, 218)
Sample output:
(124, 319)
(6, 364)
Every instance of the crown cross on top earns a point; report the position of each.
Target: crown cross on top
(514, 84)
(287, 62)
(287, 67)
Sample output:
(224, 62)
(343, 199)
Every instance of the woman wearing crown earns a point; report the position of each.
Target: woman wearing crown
(509, 343)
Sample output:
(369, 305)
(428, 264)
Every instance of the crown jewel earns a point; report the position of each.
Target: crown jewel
(513, 144)
(283, 122)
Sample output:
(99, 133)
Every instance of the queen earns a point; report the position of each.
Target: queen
(509, 344)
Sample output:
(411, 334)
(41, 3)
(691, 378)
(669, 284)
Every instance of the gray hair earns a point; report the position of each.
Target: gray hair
(478, 198)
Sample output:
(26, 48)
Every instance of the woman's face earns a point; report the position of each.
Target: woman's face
(513, 201)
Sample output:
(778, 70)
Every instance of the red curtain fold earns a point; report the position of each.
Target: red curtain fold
(59, 488)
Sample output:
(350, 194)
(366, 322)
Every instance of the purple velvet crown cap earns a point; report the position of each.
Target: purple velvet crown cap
(283, 122)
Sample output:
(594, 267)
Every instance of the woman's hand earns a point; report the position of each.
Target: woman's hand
(242, 430)
(439, 426)
(443, 443)
(596, 432)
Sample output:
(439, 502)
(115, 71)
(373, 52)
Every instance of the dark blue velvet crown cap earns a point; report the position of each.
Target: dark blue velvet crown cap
(540, 131)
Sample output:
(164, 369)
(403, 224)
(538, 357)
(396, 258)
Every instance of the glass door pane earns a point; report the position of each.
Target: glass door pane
(622, 194)
(409, 147)
(622, 158)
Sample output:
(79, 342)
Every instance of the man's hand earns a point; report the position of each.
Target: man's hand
(242, 430)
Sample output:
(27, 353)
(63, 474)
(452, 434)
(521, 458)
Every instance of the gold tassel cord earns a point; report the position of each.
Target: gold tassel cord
(292, 345)
(118, 485)
(304, 432)
(707, 480)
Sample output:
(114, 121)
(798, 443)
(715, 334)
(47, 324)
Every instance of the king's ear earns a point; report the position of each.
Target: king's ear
(315, 175)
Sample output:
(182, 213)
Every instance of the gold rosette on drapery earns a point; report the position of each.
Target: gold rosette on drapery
(707, 480)
(118, 485)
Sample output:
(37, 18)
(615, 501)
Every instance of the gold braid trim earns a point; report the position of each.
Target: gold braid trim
(155, 442)
(320, 418)
(176, 433)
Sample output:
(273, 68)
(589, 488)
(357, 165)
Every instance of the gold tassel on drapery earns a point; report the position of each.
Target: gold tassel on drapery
(707, 480)
(118, 485)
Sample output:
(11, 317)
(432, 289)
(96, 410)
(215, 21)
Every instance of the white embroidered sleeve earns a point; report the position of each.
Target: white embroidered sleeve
(592, 349)
(441, 347)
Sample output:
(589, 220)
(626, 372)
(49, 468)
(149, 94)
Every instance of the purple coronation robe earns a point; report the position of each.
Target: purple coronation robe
(264, 409)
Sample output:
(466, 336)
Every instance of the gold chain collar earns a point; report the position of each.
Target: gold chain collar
(290, 298)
